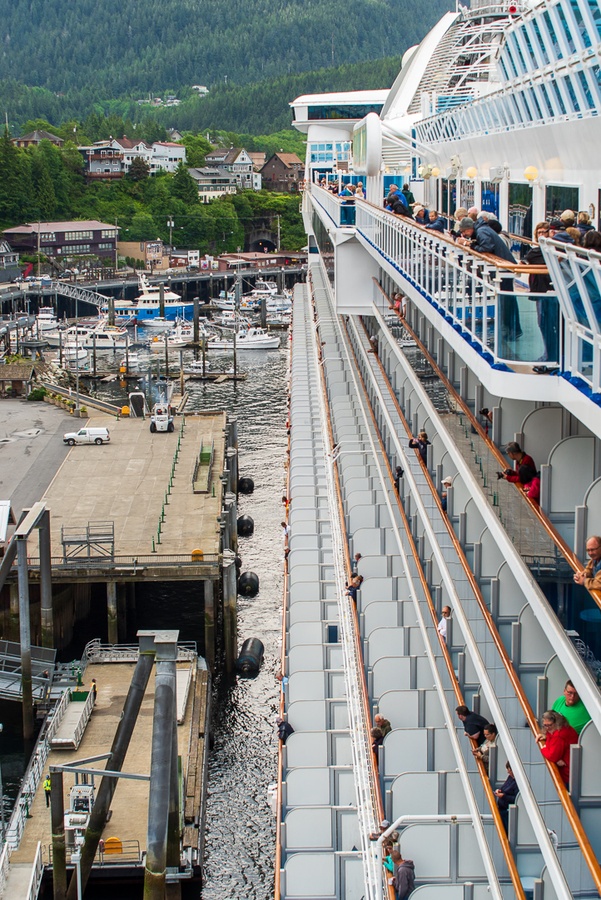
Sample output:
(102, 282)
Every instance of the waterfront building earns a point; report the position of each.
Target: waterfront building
(64, 240)
(401, 330)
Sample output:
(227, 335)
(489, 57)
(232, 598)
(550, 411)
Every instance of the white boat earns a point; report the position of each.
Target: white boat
(252, 338)
(180, 337)
(159, 323)
(132, 360)
(46, 319)
(74, 354)
(100, 337)
(147, 305)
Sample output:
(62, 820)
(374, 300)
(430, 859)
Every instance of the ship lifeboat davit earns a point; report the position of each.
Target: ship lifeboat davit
(250, 657)
(245, 485)
(246, 526)
(248, 584)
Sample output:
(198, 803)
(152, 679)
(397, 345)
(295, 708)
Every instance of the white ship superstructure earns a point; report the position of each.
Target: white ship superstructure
(497, 109)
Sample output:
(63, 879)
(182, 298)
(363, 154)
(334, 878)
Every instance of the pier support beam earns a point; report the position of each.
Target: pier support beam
(230, 612)
(46, 582)
(59, 856)
(111, 612)
(121, 742)
(161, 766)
(209, 610)
(121, 612)
(231, 513)
(25, 636)
(196, 326)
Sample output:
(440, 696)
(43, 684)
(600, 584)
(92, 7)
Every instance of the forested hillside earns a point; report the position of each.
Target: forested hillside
(92, 53)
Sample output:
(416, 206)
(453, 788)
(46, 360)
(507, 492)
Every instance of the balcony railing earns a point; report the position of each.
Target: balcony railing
(476, 294)
(341, 210)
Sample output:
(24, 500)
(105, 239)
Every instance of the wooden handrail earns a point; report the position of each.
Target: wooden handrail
(562, 792)
(507, 852)
(550, 529)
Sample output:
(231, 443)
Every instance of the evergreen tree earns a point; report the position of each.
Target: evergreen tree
(138, 170)
(12, 184)
(184, 186)
(43, 188)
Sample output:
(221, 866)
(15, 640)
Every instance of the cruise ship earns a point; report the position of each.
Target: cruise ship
(401, 329)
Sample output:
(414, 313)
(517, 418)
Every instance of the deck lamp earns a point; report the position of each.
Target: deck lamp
(471, 172)
(435, 171)
(531, 173)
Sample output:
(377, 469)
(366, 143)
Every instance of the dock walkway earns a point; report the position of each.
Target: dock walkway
(130, 803)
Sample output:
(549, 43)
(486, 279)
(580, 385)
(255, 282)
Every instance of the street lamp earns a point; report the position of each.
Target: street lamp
(170, 225)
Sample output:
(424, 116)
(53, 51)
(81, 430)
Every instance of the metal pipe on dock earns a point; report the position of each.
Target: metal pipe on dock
(46, 582)
(120, 746)
(25, 637)
(59, 850)
(160, 766)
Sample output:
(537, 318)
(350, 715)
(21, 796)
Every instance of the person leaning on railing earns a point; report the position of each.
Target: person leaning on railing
(590, 576)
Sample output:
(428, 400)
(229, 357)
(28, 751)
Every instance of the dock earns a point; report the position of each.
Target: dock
(121, 856)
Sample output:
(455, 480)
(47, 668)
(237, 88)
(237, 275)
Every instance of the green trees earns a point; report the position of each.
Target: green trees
(138, 170)
(183, 186)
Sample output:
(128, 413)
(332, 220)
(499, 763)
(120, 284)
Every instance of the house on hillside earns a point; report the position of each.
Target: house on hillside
(235, 162)
(283, 172)
(212, 182)
(36, 137)
(9, 263)
(258, 158)
(113, 158)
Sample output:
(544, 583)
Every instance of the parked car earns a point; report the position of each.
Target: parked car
(87, 436)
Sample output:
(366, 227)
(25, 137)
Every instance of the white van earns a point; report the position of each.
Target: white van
(87, 436)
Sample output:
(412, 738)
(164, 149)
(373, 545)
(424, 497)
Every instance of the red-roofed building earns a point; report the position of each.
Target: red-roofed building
(283, 172)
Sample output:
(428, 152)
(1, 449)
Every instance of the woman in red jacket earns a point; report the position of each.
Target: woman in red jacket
(556, 740)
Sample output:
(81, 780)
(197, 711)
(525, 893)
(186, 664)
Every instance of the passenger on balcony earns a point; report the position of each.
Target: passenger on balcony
(377, 739)
(421, 444)
(436, 223)
(421, 215)
(584, 223)
(530, 483)
(408, 195)
(396, 202)
(575, 235)
(506, 794)
(488, 218)
(546, 308)
(519, 458)
(484, 239)
(442, 625)
(571, 707)
(556, 740)
(446, 484)
(473, 724)
(359, 191)
(404, 875)
(383, 724)
(590, 576)
(348, 190)
(458, 217)
(490, 740)
(557, 231)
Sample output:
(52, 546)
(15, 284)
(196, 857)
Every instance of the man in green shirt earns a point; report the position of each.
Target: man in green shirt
(571, 706)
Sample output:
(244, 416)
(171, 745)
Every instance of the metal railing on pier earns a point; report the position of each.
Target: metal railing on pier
(98, 653)
(123, 563)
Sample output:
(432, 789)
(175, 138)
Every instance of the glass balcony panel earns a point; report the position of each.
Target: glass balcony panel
(528, 328)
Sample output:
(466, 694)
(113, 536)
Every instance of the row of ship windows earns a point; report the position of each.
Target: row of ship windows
(576, 93)
(328, 152)
(556, 33)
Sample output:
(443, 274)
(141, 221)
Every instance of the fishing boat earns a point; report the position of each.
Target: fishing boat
(46, 319)
(100, 336)
(473, 599)
(247, 338)
(147, 305)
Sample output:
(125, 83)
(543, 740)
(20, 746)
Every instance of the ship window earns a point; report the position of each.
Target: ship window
(545, 95)
(534, 102)
(580, 24)
(490, 198)
(572, 93)
(558, 97)
(566, 28)
(528, 42)
(557, 198)
(518, 55)
(540, 42)
(511, 61)
(586, 90)
(553, 36)
(520, 209)
(596, 14)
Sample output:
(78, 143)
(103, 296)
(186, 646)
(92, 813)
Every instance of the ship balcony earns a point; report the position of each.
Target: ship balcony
(339, 210)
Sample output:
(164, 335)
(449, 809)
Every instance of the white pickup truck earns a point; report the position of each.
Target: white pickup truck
(87, 436)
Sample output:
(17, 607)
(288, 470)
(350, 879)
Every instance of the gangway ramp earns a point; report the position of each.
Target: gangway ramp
(42, 665)
(23, 879)
(72, 720)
